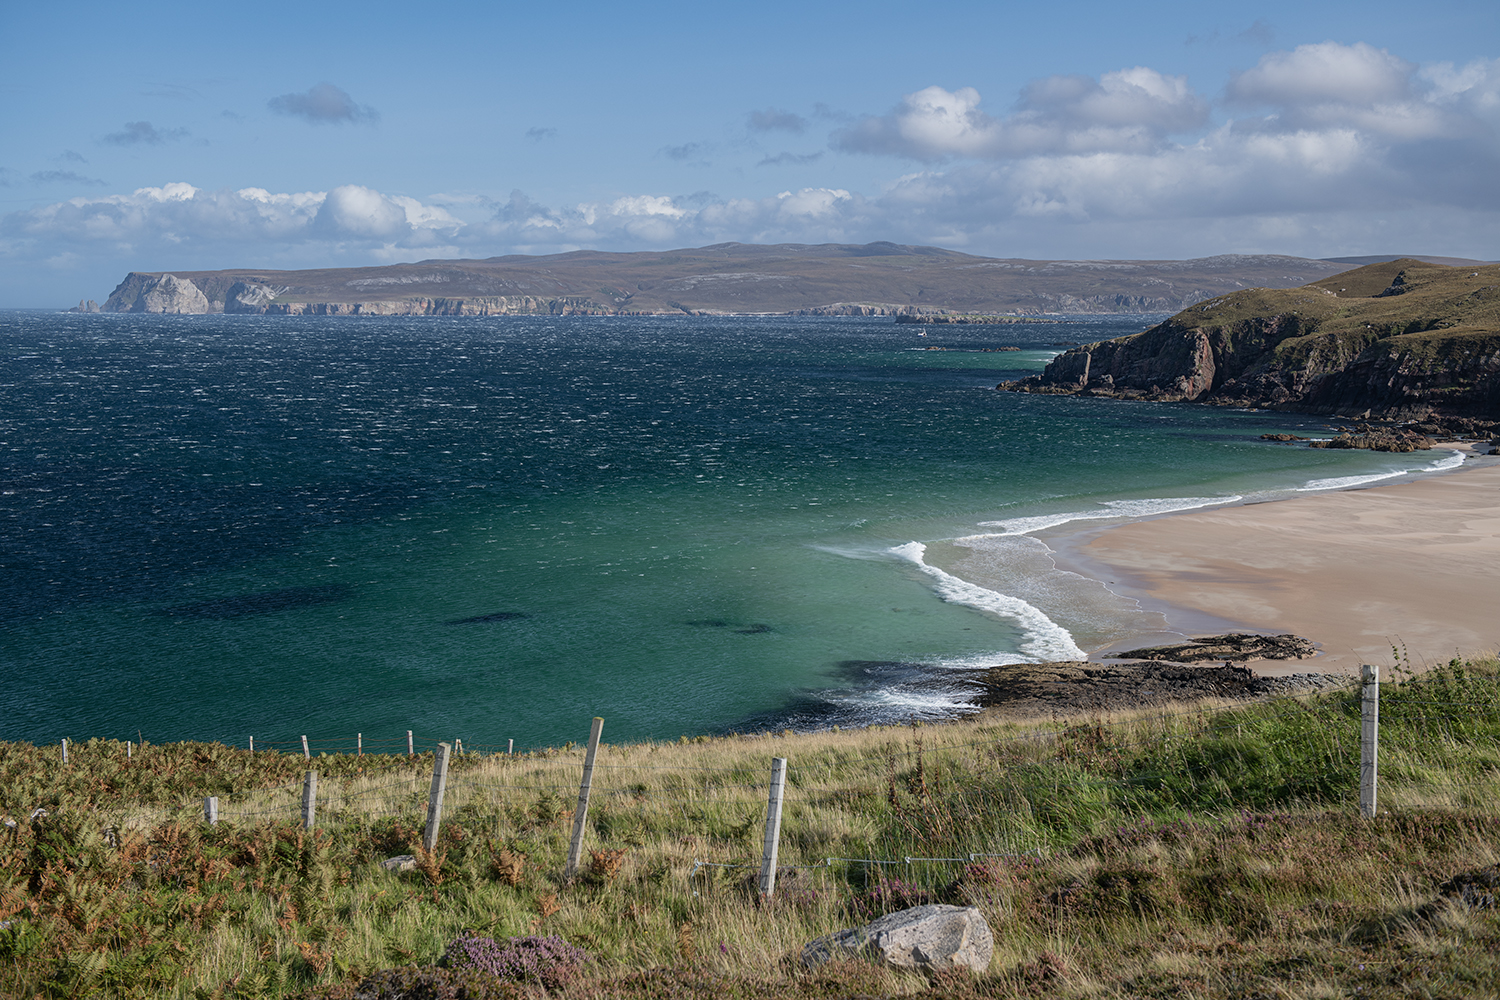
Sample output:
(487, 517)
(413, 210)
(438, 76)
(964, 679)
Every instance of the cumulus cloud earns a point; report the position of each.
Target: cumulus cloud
(773, 120)
(323, 104)
(181, 215)
(1132, 109)
(1127, 164)
(144, 133)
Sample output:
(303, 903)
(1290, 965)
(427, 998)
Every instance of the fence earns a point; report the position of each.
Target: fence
(997, 796)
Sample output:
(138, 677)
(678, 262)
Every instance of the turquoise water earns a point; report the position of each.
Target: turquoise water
(495, 529)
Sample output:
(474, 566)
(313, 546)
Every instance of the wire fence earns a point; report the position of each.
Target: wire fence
(930, 799)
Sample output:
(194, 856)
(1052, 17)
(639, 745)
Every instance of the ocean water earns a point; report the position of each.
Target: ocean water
(494, 529)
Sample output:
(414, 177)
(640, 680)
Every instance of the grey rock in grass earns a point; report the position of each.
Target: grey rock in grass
(400, 863)
(936, 937)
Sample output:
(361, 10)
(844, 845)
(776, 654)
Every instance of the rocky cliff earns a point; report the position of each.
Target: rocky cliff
(1401, 340)
(157, 293)
(878, 279)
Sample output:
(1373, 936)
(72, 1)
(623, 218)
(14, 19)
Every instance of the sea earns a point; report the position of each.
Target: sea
(495, 529)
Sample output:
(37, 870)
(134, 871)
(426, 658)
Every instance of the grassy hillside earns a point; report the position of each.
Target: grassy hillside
(1209, 851)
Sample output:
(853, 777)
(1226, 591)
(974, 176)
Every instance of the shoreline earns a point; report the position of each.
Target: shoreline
(1385, 572)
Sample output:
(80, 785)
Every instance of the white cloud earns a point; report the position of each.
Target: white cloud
(1326, 73)
(1129, 109)
(180, 214)
(1331, 149)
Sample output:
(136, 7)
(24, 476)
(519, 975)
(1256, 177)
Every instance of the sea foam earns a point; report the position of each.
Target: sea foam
(1450, 461)
(1112, 509)
(1045, 639)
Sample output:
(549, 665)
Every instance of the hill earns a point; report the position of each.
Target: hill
(830, 279)
(1401, 339)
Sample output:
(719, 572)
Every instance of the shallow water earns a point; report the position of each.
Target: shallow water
(492, 529)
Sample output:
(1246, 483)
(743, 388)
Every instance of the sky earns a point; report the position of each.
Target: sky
(287, 135)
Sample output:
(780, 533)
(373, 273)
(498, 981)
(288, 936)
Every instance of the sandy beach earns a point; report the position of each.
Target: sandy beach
(1415, 565)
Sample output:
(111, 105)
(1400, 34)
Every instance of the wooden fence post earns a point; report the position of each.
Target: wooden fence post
(129, 750)
(306, 755)
(309, 799)
(510, 748)
(435, 797)
(65, 751)
(575, 849)
(211, 810)
(409, 751)
(773, 827)
(359, 744)
(1369, 737)
(252, 744)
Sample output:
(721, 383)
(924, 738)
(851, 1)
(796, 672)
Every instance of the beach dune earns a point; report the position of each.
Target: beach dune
(1415, 566)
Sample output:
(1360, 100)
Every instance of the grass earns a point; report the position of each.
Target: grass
(1209, 851)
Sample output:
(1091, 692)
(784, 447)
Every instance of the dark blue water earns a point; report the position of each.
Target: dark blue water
(492, 529)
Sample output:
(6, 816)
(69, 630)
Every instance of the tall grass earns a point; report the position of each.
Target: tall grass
(1085, 839)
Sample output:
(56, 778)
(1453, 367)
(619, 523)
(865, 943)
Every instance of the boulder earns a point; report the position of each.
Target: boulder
(400, 863)
(935, 937)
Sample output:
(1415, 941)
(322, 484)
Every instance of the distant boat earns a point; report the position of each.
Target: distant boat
(922, 332)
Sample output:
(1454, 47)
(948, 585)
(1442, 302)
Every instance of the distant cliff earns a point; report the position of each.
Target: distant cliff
(731, 278)
(1401, 340)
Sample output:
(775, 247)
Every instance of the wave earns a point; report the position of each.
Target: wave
(1450, 461)
(1045, 639)
(1113, 509)
(1343, 482)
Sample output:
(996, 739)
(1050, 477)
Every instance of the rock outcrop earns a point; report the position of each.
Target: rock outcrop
(935, 937)
(249, 297)
(1240, 646)
(157, 293)
(1400, 340)
(1029, 690)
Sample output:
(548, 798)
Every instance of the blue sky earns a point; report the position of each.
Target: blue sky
(183, 136)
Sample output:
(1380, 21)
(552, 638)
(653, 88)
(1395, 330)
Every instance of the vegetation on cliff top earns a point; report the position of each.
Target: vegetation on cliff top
(1212, 852)
(1398, 338)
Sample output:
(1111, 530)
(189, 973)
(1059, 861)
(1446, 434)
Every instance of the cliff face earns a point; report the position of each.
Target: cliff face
(1401, 340)
(157, 293)
(874, 279)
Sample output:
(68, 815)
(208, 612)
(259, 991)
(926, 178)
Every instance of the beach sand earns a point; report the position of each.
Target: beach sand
(1414, 565)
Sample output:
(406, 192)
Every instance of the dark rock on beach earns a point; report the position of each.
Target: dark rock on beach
(1079, 686)
(1232, 646)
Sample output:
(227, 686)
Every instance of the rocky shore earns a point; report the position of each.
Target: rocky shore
(1403, 340)
(1074, 686)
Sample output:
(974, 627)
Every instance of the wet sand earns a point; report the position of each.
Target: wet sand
(1414, 565)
